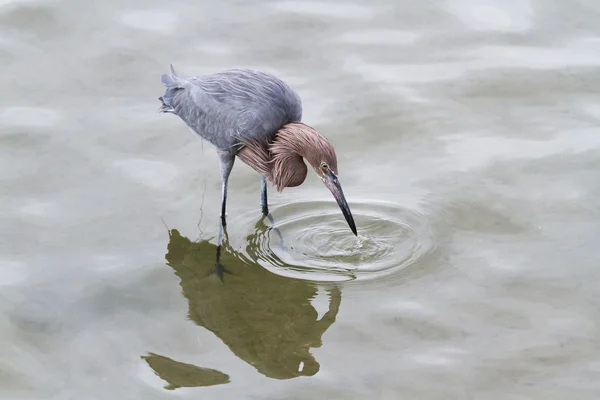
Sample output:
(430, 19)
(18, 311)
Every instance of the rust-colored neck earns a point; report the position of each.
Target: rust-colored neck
(281, 161)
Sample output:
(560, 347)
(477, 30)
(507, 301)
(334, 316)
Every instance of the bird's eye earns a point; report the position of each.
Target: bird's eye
(324, 165)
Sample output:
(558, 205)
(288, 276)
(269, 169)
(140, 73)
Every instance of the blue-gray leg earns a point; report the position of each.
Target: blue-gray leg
(263, 196)
(219, 269)
(226, 163)
(265, 206)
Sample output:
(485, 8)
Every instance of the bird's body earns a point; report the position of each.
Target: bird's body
(257, 117)
(230, 107)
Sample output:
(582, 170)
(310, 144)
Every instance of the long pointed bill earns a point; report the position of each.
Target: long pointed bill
(333, 184)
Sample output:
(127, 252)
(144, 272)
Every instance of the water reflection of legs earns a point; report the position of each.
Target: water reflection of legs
(272, 221)
(219, 268)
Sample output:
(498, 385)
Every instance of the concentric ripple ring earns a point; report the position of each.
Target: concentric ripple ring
(310, 240)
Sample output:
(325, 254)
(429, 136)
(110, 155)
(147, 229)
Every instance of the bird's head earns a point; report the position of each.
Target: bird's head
(327, 171)
(295, 141)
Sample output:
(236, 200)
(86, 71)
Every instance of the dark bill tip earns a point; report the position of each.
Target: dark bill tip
(334, 186)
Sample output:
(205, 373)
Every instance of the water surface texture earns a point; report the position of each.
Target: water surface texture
(468, 141)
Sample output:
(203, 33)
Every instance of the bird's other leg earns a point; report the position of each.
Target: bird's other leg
(265, 206)
(226, 163)
(263, 196)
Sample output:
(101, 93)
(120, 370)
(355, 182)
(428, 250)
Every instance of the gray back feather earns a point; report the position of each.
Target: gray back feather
(230, 107)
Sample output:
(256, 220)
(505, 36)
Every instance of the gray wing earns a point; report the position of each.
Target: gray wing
(232, 106)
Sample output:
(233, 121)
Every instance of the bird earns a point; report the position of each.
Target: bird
(257, 117)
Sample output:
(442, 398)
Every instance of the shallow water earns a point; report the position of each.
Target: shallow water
(468, 147)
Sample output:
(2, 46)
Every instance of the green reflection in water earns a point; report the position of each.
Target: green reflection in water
(179, 374)
(267, 320)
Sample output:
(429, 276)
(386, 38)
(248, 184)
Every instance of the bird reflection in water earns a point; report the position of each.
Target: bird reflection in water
(266, 319)
(179, 374)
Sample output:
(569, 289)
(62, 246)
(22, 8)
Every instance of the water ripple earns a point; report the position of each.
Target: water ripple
(311, 240)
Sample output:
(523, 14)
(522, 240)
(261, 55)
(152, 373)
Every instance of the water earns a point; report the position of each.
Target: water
(468, 146)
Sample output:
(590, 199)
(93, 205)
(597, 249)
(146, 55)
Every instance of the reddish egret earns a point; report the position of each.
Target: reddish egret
(257, 117)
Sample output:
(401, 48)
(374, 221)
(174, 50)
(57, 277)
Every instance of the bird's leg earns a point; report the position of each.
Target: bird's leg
(263, 196)
(219, 269)
(226, 162)
(222, 237)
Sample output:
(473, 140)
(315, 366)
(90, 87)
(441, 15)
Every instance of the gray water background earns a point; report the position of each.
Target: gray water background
(469, 149)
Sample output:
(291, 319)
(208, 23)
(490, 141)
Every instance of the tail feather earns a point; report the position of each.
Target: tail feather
(173, 84)
(171, 80)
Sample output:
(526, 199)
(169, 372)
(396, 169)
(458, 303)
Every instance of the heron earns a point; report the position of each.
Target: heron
(255, 116)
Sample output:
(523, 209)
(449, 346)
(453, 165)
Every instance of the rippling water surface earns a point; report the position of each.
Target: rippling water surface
(468, 144)
(299, 242)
